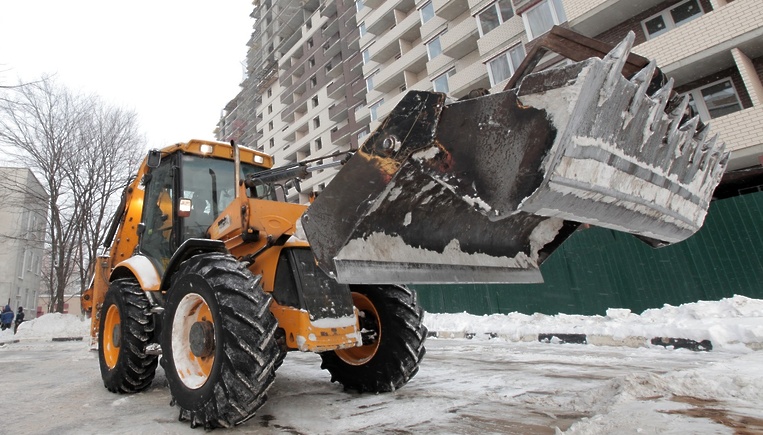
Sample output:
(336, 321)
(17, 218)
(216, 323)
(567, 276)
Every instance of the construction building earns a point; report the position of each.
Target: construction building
(321, 75)
(22, 238)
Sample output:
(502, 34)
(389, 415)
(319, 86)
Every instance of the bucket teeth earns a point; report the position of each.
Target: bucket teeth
(616, 58)
(642, 79)
(676, 117)
(627, 158)
(661, 96)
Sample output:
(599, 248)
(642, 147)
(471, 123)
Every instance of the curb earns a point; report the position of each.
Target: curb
(593, 339)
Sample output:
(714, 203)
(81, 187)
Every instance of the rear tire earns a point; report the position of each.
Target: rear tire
(125, 328)
(218, 341)
(393, 341)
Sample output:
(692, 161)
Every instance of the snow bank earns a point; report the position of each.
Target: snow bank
(728, 323)
(53, 325)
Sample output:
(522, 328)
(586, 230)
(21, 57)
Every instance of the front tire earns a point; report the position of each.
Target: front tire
(393, 341)
(125, 328)
(218, 341)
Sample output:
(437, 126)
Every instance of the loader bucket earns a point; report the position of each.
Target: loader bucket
(483, 190)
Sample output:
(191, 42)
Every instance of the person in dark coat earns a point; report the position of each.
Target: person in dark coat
(19, 319)
(6, 319)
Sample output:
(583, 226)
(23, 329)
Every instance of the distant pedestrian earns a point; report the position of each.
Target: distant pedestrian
(6, 319)
(19, 319)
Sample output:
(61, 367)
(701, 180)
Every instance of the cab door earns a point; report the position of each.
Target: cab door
(160, 235)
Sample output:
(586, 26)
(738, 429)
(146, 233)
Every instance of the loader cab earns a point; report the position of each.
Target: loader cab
(184, 194)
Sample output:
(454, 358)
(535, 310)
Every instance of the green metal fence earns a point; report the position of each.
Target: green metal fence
(596, 269)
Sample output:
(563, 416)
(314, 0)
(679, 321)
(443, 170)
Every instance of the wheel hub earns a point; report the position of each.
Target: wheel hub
(201, 337)
(116, 335)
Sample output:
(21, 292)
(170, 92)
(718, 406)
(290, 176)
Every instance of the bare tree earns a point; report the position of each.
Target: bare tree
(82, 151)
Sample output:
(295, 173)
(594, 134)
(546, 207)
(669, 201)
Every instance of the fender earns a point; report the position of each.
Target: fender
(145, 270)
(142, 268)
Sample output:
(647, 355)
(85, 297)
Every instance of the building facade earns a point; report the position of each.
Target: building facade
(324, 84)
(304, 78)
(22, 237)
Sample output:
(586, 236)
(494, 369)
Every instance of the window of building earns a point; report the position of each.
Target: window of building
(270, 126)
(318, 144)
(426, 12)
(366, 56)
(493, 16)
(270, 93)
(671, 18)
(502, 67)
(313, 81)
(715, 100)
(311, 62)
(362, 134)
(310, 43)
(433, 47)
(403, 88)
(328, 67)
(440, 83)
(370, 81)
(270, 108)
(362, 29)
(271, 143)
(21, 265)
(317, 121)
(315, 101)
(374, 109)
(542, 17)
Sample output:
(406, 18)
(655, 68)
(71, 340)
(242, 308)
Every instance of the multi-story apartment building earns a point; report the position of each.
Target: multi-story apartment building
(22, 238)
(304, 78)
(713, 49)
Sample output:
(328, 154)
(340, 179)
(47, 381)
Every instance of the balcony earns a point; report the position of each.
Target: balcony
(414, 60)
(450, 9)
(743, 133)
(472, 77)
(502, 37)
(384, 49)
(690, 51)
(338, 112)
(362, 116)
(335, 89)
(433, 27)
(331, 26)
(389, 79)
(592, 17)
(328, 8)
(439, 65)
(382, 18)
(373, 3)
(461, 39)
(343, 135)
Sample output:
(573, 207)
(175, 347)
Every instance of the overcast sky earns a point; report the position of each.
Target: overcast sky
(174, 62)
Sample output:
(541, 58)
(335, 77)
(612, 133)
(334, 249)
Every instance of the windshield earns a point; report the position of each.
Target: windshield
(209, 184)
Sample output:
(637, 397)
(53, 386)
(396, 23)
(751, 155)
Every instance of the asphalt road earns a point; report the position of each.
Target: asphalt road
(463, 387)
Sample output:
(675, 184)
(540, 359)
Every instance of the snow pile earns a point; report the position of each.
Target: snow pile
(728, 323)
(53, 325)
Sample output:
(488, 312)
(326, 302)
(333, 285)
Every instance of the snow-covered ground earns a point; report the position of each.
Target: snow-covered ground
(500, 381)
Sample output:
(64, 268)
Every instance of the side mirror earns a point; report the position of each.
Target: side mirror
(153, 159)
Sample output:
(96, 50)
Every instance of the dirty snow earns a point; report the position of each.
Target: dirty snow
(483, 385)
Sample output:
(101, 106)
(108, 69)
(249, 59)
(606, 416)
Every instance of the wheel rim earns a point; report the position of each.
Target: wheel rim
(112, 336)
(193, 341)
(362, 354)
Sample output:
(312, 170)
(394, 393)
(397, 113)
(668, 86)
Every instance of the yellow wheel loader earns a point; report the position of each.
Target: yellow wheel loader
(210, 268)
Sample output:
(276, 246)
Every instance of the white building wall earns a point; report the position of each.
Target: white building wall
(22, 234)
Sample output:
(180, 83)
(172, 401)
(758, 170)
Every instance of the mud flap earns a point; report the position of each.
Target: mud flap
(483, 190)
